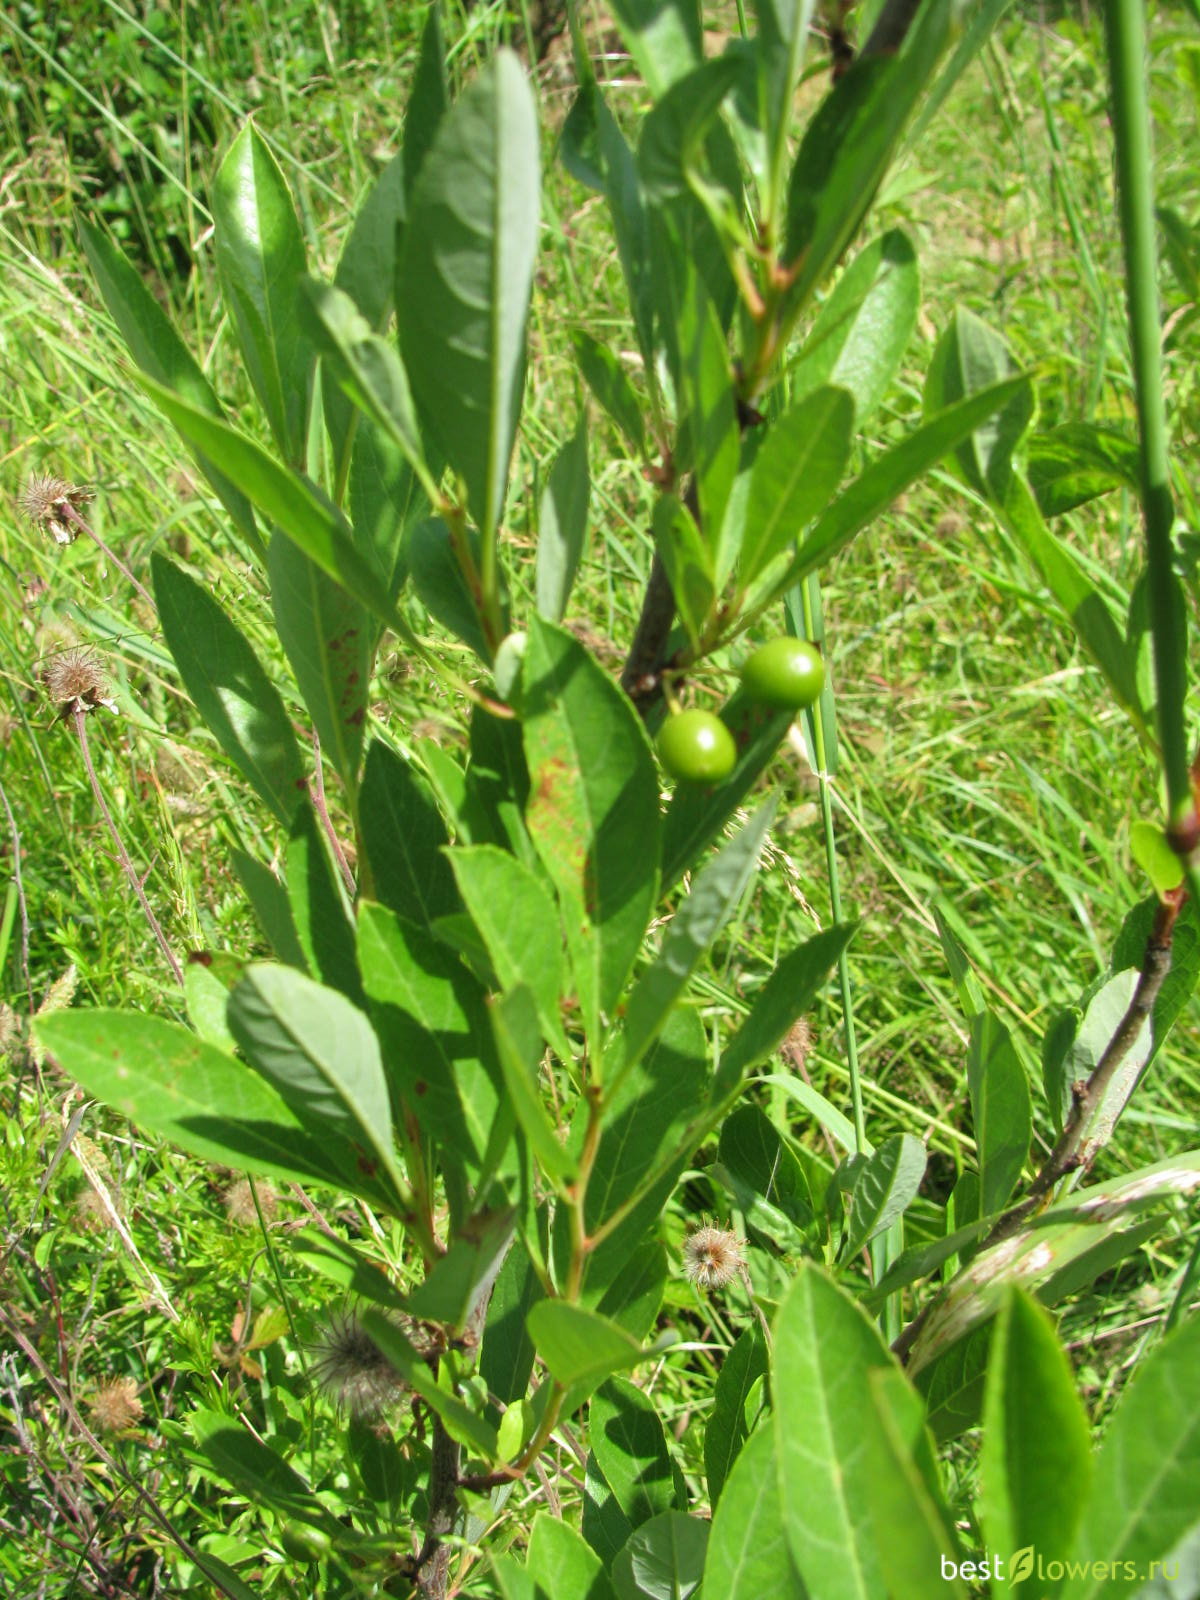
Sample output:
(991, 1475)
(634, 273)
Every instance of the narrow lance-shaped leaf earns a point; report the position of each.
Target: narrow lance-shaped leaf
(428, 99)
(664, 38)
(233, 694)
(466, 270)
(260, 260)
(630, 1448)
(1001, 1110)
(885, 1188)
(798, 466)
(562, 524)
(607, 380)
(748, 1554)
(519, 1045)
(969, 357)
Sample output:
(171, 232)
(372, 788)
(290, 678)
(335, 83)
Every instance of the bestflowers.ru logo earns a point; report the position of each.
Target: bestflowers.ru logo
(1029, 1563)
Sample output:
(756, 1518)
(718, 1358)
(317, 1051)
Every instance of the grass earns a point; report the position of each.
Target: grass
(982, 766)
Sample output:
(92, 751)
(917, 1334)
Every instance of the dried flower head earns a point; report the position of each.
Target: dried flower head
(350, 1369)
(46, 502)
(10, 1029)
(712, 1257)
(239, 1202)
(75, 683)
(115, 1406)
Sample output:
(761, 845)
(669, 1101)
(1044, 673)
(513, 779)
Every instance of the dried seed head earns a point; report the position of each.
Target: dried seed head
(239, 1202)
(712, 1257)
(45, 501)
(59, 995)
(799, 1042)
(74, 682)
(350, 1369)
(10, 1029)
(115, 1406)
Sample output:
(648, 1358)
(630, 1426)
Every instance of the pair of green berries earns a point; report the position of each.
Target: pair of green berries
(786, 674)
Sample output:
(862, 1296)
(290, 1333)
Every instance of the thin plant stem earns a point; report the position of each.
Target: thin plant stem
(79, 717)
(21, 902)
(84, 526)
(322, 810)
(1125, 32)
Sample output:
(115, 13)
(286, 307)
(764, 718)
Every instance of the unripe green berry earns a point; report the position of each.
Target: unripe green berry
(696, 747)
(788, 674)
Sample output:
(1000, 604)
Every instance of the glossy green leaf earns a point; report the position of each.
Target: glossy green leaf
(161, 355)
(428, 100)
(862, 330)
(518, 922)
(593, 810)
(455, 1286)
(874, 490)
(561, 1562)
(664, 37)
(1036, 1459)
(285, 498)
(1001, 1110)
(610, 384)
(340, 1262)
(663, 1559)
(519, 1045)
(579, 1346)
(696, 924)
(630, 1447)
(328, 639)
(825, 1349)
(385, 501)
(462, 1424)
(670, 154)
(848, 147)
(437, 577)
(758, 1165)
(433, 1027)
(366, 268)
(507, 1357)
(788, 993)
(884, 1190)
(1073, 463)
(171, 1083)
(726, 1431)
(260, 261)
(923, 1260)
(402, 836)
(562, 524)
(320, 1052)
(634, 1298)
(1143, 1495)
(269, 900)
(233, 694)
(249, 1465)
(207, 980)
(748, 1555)
(320, 907)
(466, 270)
(953, 1385)
(798, 466)
(688, 563)
(781, 46)
(969, 357)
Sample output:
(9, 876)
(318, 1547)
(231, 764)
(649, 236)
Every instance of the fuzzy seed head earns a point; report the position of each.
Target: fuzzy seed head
(10, 1029)
(74, 682)
(712, 1257)
(351, 1370)
(115, 1406)
(239, 1202)
(45, 501)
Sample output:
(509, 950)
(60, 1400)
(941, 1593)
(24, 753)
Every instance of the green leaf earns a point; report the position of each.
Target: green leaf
(507, 1357)
(385, 501)
(428, 100)
(1073, 463)
(321, 911)
(726, 1431)
(1180, 982)
(260, 261)
(328, 641)
(874, 490)
(161, 354)
(561, 1563)
(592, 811)
(748, 1555)
(798, 466)
(518, 922)
(461, 1422)
(884, 1189)
(338, 1261)
(254, 1469)
(322, 1055)
(605, 1526)
(402, 836)
(848, 147)
(207, 980)
(690, 933)
(1144, 1485)
(1036, 1460)
(670, 154)
(433, 1027)
(365, 366)
(688, 563)
(912, 1525)
(580, 1347)
(233, 694)
(758, 1165)
(862, 330)
(663, 1559)
(466, 270)
(269, 900)
(171, 1083)
(953, 1385)
(443, 590)
(284, 497)
(1001, 1110)
(630, 1448)
(788, 993)
(825, 1350)
(781, 45)
(562, 524)
(366, 268)
(664, 38)
(609, 383)
(519, 1045)
(634, 1298)
(970, 357)
(454, 1287)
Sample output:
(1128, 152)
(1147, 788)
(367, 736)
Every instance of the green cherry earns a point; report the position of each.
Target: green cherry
(787, 673)
(696, 747)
